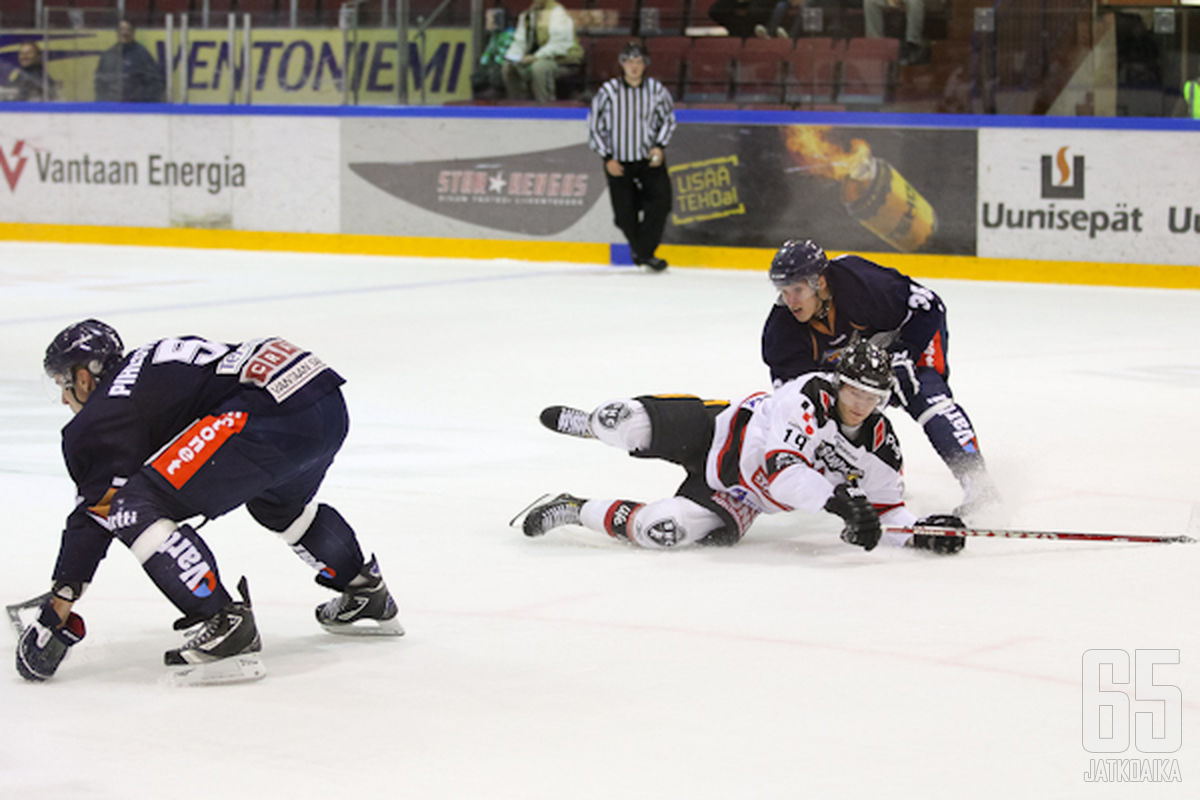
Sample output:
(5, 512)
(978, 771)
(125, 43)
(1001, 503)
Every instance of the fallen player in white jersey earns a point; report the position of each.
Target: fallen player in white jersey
(820, 442)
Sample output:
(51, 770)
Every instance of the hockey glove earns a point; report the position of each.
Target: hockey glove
(44, 644)
(942, 545)
(862, 522)
(905, 377)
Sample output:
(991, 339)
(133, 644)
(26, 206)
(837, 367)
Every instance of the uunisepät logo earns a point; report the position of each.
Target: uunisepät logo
(89, 169)
(1069, 182)
(536, 193)
(1062, 180)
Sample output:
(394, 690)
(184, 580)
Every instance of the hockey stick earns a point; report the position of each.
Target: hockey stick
(1059, 535)
(14, 611)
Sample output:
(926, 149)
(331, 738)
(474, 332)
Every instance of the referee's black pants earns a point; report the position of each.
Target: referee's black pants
(641, 201)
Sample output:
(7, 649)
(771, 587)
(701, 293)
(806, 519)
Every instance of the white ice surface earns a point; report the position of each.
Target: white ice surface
(790, 666)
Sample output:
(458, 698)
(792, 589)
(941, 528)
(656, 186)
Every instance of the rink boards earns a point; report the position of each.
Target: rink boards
(969, 197)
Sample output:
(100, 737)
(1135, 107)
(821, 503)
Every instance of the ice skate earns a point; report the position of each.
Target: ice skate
(221, 649)
(539, 517)
(365, 608)
(569, 421)
(979, 495)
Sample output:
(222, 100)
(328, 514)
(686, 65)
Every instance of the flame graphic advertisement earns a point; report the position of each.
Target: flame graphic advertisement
(862, 189)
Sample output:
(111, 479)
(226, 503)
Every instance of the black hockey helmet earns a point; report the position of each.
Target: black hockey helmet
(798, 260)
(91, 344)
(634, 50)
(866, 366)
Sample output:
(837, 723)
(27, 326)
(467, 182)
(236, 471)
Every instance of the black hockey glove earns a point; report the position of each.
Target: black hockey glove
(44, 644)
(905, 377)
(862, 521)
(942, 545)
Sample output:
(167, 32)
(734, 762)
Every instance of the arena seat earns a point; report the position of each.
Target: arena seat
(814, 66)
(869, 71)
(709, 72)
(760, 69)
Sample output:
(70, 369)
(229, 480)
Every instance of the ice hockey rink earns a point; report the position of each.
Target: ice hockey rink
(570, 666)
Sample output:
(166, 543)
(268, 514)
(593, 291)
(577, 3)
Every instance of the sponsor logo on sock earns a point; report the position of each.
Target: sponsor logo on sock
(194, 572)
(321, 567)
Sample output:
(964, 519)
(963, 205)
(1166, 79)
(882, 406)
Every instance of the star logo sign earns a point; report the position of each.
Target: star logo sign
(12, 169)
(496, 183)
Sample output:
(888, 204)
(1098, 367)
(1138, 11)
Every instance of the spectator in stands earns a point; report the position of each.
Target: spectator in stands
(543, 50)
(1189, 102)
(786, 11)
(127, 73)
(30, 77)
(487, 79)
(740, 17)
(914, 49)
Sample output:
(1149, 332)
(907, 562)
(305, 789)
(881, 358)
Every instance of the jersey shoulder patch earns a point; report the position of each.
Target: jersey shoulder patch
(819, 391)
(881, 440)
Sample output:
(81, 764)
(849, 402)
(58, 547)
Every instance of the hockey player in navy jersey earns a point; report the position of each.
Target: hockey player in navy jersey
(187, 427)
(819, 442)
(822, 303)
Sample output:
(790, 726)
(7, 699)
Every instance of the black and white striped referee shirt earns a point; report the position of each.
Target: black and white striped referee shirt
(626, 121)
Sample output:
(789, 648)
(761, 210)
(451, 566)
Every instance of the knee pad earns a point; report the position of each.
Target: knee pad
(673, 522)
(622, 423)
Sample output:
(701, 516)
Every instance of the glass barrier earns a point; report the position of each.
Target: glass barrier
(1035, 57)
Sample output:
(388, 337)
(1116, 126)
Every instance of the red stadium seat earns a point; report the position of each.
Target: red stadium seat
(600, 61)
(263, 13)
(668, 56)
(760, 70)
(813, 70)
(18, 14)
(709, 72)
(869, 69)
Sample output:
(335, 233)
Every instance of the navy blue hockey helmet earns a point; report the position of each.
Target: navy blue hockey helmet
(91, 344)
(797, 260)
(866, 366)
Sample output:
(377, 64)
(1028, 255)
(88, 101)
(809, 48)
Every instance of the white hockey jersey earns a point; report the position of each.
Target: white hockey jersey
(787, 451)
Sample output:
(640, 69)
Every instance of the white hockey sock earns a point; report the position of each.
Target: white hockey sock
(608, 516)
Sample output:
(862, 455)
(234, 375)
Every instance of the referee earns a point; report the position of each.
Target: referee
(630, 122)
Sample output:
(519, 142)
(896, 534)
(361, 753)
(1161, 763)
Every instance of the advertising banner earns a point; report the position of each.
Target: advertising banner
(1078, 195)
(506, 179)
(286, 66)
(152, 170)
(862, 189)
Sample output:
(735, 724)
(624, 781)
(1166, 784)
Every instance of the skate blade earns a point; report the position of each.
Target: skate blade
(368, 627)
(516, 521)
(22, 615)
(235, 669)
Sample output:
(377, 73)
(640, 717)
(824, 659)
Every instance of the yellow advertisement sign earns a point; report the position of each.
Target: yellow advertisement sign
(283, 66)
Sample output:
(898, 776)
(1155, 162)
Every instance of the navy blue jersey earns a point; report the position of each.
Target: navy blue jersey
(877, 302)
(162, 388)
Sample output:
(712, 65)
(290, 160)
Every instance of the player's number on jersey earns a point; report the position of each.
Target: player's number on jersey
(795, 438)
(921, 298)
(199, 352)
